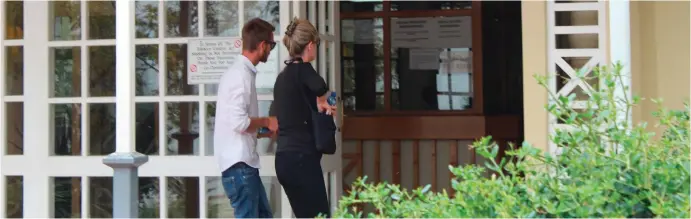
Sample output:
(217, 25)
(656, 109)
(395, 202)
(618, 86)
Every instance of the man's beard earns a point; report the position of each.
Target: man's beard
(265, 56)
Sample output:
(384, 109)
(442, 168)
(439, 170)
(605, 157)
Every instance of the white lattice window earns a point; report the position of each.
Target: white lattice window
(12, 103)
(58, 110)
(576, 42)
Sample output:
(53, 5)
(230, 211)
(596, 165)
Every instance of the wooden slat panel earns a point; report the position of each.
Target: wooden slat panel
(396, 148)
(377, 162)
(453, 152)
(361, 156)
(434, 165)
(416, 163)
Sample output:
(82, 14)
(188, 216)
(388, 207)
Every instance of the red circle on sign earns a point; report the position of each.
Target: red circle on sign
(193, 68)
(238, 43)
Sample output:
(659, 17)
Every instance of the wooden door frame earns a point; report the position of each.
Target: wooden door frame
(415, 121)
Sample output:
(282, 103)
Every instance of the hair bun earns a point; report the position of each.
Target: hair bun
(291, 27)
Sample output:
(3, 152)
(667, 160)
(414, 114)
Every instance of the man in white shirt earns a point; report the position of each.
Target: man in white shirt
(237, 124)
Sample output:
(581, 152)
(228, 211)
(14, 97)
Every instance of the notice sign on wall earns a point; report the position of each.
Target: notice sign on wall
(208, 59)
(437, 32)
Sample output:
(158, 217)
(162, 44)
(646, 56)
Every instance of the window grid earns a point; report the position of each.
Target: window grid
(12, 108)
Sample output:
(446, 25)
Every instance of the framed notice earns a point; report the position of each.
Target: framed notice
(208, 59)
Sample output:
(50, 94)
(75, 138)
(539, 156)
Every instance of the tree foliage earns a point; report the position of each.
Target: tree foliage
(607, 167)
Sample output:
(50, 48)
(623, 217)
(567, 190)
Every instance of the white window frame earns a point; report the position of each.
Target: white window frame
(38, 167)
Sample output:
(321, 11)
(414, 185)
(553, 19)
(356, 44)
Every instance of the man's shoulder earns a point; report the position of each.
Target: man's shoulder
(235, 71)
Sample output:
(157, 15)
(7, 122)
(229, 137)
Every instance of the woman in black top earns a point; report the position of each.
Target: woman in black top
(298, 163)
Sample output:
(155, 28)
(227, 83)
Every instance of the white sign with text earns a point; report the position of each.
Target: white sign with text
(208, 59)
(436, 32)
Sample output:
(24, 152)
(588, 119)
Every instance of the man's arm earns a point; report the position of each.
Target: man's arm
(238, 99)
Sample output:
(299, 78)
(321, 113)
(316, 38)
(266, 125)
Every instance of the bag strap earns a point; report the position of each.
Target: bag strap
(298, 61)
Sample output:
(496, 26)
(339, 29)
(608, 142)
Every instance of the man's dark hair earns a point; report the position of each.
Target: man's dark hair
(254, 32)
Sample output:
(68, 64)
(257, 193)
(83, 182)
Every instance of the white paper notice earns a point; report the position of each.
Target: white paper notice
(348, 31)
(437, 32)
(208, 59)
(364, 31)
(455, 62)
(411, 32)
(453, 32)
(424, 59)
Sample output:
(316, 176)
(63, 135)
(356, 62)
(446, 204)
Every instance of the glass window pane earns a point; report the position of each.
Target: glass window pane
(181, 19)
(147, 128)
(101, 128)
(209, 121)
(182, 128)
(222, 18)
(176, 65)
(101, 19)
(67, 197)
(266, 74)
(361, 6)
(66, 20)
(266, 10)
(102, 71)
(268, 71)
(14, 74)
(146, 19)
(67, 127)
(149, 197)
(14, 199)
(14, 18)
(146, 70)
(183, 197)
(429, 5)
(363, 74)
(100, 197)
(437, 76)
(67, 73)
(327, 18)
(14, 127)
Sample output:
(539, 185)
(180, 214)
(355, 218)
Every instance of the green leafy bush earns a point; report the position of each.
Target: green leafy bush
(607, 167)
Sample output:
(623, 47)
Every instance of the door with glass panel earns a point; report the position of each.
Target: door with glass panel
(61, 169)
(324, 15)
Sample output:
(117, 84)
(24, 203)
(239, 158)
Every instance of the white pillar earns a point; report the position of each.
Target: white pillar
(124, 77)
(125, 161)
(38, 196)
(620, 47)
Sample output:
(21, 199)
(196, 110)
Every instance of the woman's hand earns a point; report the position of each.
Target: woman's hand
(324, 107)
(271, 135)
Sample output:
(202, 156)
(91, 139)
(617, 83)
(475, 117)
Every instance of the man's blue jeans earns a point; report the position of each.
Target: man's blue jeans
(246, 192)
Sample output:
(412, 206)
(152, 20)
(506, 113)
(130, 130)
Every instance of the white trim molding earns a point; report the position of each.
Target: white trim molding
(620, 49)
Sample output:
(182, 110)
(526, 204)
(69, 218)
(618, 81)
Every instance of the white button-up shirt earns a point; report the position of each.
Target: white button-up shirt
(236, 104)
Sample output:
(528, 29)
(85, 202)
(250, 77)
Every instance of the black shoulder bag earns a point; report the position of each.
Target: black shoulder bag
(323, 125)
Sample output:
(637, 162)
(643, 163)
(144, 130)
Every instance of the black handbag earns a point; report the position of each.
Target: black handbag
(323, 125)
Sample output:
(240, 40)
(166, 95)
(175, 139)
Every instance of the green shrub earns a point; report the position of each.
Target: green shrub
(608, 167)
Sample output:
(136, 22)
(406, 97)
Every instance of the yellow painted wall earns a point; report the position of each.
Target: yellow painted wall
(660, 54)
(534, 20)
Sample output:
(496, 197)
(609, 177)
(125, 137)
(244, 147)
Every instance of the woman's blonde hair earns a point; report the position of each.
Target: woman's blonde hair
(299, 33)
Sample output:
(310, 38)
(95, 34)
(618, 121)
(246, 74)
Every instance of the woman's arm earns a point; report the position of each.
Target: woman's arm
(314, 82)
(318, 87)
